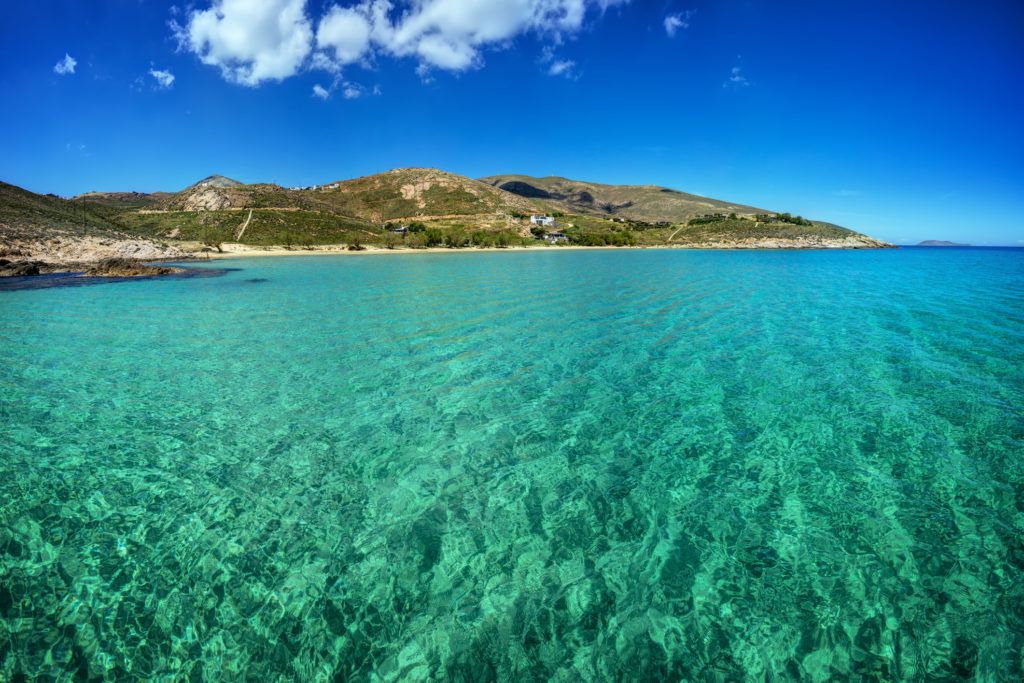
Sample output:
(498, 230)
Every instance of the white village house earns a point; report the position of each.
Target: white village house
(542, 220)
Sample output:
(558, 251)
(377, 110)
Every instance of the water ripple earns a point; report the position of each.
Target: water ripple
(585, 465)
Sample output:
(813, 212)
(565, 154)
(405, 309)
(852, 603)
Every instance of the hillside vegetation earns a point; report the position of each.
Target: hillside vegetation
(27, 215)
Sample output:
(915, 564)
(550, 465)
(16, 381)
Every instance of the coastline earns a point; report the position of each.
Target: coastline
(244, 251)
(89, 258)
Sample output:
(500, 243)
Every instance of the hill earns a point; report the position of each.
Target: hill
(412, 207)
(406, 193)
(650, 203)
(50, 228)
(940, 243)
(25, 214)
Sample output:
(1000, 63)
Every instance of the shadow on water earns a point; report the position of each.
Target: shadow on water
(10, 284)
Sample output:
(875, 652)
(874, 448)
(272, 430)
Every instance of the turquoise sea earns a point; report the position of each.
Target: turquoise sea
(565, 466)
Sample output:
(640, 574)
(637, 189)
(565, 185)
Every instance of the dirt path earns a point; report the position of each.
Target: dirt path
(675, 233)
(244, 226)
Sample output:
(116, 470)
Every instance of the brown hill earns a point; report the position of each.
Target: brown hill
(417, 192)
(651, 203)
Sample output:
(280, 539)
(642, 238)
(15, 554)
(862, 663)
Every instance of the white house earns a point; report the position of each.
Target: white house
(542, 220)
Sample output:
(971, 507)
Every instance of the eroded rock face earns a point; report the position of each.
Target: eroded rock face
(207, 199)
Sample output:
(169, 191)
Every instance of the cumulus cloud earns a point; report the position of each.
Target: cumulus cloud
(736, 79)
(65, 66)
(344, 35)
(351, 92)
(250, 41)
(674, 22)
(321, 92)
(164, 79)
(451, 34)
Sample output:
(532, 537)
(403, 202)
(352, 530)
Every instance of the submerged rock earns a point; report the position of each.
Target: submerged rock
(124, 267)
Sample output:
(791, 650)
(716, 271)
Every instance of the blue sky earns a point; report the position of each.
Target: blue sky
(901, 120)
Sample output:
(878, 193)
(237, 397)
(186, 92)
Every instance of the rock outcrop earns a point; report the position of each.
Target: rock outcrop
(123, 267)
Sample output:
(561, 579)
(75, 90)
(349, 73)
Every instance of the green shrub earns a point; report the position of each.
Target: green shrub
(433, 237)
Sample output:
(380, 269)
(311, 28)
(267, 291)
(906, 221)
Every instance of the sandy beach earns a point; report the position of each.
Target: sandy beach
(242, 250)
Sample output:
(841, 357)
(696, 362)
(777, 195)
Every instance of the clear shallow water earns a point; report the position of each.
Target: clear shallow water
(570, 466)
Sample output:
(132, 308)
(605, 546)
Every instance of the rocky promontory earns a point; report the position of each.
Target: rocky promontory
(95, 256)
(807, 242)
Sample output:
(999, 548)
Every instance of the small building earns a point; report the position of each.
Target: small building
(400, 229)
(544, 221)
(556, 237)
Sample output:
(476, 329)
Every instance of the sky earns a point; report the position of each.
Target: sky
(902, 120)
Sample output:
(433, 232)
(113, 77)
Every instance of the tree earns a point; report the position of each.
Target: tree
(454, 238)
(538, 232)
(210, 237)
(433, 237)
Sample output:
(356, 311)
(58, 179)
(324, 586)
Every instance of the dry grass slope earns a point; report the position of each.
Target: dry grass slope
(650, 203)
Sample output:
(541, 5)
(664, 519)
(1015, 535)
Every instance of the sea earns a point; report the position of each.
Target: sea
(557, 465)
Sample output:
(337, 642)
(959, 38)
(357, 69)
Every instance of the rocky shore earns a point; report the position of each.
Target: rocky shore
(93, 256)
(809, 242)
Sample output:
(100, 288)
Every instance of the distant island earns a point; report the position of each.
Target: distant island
(401, 209)
(940, 243)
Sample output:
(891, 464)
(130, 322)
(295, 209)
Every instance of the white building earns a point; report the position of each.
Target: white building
(542, 220)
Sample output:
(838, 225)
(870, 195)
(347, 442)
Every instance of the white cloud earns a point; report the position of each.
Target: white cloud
(321, 92)
(674, 22)
(450, 34)
(250, 41)
(345, 32)
(351, 92)
(164, 79)
(66, 65)
(561, 67)
(736, 79)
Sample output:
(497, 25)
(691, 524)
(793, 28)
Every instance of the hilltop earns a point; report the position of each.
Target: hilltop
(407, 193)
(650, 203)
(217, 181)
